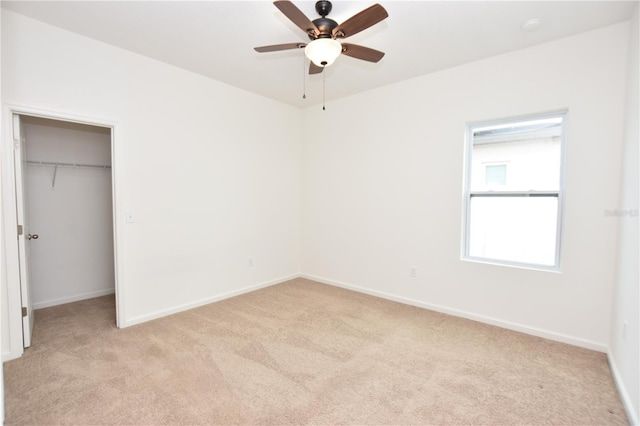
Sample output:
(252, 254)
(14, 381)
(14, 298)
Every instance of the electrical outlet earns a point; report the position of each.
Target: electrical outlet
(413, 272)
(625, 325)
(250, 263)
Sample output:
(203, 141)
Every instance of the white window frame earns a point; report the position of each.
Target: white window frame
(468, 194)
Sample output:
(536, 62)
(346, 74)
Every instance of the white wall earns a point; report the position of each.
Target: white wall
(383, 187)
(4, 318)
(73, 257)
(211, 172)
(624, 350)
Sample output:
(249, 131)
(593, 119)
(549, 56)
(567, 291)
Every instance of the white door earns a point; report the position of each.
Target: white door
(24, 236)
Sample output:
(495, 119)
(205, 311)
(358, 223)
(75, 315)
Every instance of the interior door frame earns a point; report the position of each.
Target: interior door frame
(10, 225)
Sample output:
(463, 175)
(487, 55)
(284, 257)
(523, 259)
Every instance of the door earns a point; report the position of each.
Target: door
(24, 236)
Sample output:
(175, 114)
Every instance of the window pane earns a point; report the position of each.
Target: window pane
(531, 148)
(495, 175)
(516, 229)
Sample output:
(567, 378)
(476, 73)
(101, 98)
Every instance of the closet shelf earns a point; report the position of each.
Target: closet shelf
(58, 164)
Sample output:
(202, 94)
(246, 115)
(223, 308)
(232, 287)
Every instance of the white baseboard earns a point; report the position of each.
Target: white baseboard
(632, 415)
(75, 298)
(185, 307)
(588, 344)
(10, 355)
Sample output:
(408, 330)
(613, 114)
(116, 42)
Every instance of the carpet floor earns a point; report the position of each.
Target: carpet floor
(300, 353)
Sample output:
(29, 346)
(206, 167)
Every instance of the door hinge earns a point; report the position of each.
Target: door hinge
(19, 230)
(24, 312)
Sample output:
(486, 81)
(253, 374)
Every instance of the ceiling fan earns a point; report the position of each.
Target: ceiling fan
(324, 33)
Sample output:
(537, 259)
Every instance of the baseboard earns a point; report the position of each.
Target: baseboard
(468, 315)
(632, 415)
(192, 305)
(76, 298)
(10, 356)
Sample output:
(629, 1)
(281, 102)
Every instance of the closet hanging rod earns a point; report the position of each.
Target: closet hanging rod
(55, 163)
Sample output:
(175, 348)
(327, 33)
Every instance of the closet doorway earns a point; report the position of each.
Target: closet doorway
(68, 203)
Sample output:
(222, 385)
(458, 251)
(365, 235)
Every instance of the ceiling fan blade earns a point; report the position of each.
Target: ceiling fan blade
(314, 69)
(361, 52)
(276, 47)
(296, 16)
(360, 21)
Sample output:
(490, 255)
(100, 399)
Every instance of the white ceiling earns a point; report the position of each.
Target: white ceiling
(216, 38)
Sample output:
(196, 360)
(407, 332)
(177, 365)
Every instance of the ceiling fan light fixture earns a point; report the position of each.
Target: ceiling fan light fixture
(323, 51)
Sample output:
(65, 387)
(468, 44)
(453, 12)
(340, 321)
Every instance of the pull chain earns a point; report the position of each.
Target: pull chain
(324, 87)
(304, 76)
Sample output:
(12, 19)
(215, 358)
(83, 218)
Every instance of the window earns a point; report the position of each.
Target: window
(513, 191)
(495, 174)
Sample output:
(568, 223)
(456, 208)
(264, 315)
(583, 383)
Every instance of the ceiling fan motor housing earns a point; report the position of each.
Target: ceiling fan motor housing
(325, 26)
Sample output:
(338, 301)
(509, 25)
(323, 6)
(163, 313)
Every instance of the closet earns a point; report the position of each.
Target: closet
(69, 206)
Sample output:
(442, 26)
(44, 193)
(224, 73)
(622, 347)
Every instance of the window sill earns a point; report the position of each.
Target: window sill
(542, 268)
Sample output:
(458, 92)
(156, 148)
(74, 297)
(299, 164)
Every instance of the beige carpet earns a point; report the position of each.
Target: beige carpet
(300, 353)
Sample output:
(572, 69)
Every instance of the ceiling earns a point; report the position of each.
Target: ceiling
(216, 38)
